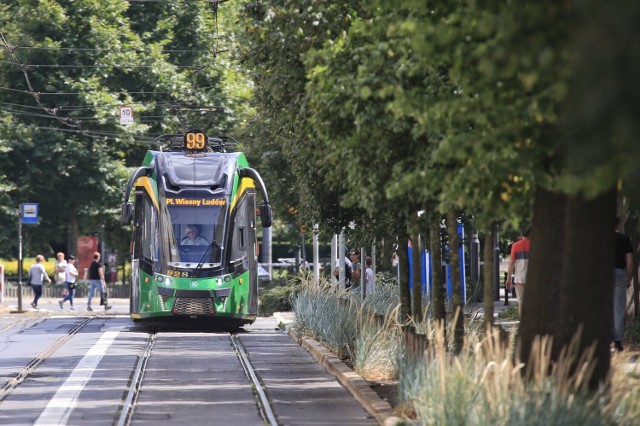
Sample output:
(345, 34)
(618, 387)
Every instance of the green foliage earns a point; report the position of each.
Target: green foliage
(276, 295)
(509, 314)
(65, 148)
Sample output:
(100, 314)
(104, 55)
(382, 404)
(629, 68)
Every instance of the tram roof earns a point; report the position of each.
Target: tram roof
(205, 169)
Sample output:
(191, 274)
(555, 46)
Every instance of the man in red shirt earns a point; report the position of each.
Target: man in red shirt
(517, 272)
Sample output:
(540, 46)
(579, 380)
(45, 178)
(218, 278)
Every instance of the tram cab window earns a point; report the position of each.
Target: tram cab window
(196, 233)
(194, 241)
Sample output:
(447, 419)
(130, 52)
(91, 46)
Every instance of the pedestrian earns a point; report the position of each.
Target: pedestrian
(623, 274)
(60, 269)
(37, 276)
(348, 267)
(97, 284)
(518, 265)
(356, 267)
(70, 282)
(368, 276)
(59, 273)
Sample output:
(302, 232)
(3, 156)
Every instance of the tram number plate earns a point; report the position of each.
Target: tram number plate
(179, 274)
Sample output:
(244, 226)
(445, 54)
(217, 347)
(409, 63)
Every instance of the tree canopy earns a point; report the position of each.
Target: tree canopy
(66, 68)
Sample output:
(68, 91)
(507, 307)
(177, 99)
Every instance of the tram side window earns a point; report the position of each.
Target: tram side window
(138, 228)
(149, 231)
(238, 255)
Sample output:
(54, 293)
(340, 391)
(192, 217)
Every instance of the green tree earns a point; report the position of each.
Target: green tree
(67, 67)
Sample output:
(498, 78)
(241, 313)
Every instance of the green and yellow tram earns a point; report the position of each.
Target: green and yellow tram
(194, 243)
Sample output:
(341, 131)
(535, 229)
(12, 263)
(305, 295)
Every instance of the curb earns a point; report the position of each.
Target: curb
(359, 388)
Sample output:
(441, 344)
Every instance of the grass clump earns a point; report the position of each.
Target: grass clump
(378, 345)
(327, 314)
(509, 314)
(484, 384)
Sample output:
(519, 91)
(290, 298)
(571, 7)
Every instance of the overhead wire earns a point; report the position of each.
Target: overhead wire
(74, 121)
(29, 66)
(105, 49)
(51, 111)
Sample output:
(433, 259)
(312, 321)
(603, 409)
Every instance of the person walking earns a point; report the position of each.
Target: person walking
(97, 284)
(356, 268)
(368, 276)
(61, 268)
(623, 274)
(518, 265)
(70, 281)
(37, 276)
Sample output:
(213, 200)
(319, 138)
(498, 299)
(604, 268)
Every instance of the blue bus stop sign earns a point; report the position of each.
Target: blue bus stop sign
(29, 213)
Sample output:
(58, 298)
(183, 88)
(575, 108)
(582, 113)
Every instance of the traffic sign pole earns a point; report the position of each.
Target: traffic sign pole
(20, 262)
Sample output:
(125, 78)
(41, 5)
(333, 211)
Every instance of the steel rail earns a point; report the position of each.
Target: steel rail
(11, 384)
(128, 404)
(261, 396)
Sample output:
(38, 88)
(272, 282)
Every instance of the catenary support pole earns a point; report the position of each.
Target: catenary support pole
(266, 251)
(334, 258)
(316, 255)
(341, 251)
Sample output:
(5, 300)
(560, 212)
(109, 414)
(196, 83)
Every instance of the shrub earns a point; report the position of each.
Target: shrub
(276, 295)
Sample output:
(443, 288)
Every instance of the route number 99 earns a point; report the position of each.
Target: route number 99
(195, 140)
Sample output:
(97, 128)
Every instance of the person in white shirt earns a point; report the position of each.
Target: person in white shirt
(71, 280)
(368, 277)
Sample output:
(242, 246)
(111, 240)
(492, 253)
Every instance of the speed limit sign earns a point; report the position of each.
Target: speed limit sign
(126, 115)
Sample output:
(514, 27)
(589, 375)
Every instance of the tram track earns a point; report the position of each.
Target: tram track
(16, 324)
(131, 394)
(263, 402)
(125, 415)
(14, 382)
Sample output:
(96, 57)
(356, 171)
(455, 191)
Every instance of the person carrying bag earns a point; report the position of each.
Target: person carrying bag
(97, 284)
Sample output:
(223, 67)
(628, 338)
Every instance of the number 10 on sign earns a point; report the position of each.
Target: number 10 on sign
(126, 115)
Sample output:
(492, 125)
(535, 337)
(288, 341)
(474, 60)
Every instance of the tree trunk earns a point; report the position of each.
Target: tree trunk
(586, 293)
(439, 312)
(487, 274)
(631, 229)
(456, 282)
(417, 276)
(542, 293)
(72, 235)
(403, 263)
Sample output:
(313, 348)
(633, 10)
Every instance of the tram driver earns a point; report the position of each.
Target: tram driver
(192, 237)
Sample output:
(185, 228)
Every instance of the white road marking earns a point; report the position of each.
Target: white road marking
(61, 406)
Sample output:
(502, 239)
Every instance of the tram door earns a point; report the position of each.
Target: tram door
(243, 255)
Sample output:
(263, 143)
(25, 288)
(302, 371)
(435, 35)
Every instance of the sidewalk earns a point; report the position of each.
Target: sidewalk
(50, 306)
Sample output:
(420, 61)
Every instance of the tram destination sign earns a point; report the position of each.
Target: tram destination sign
(195, 202)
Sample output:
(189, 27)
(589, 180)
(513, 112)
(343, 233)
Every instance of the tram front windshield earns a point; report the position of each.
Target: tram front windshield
(195, 235)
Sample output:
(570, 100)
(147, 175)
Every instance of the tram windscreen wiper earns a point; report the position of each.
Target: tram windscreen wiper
(205, 255)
